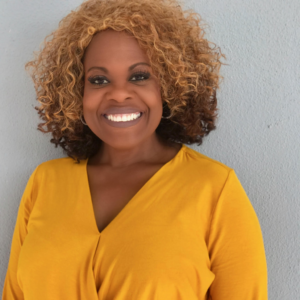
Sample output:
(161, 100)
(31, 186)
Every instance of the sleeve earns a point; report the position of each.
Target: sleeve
(11, 288)
(236, 247)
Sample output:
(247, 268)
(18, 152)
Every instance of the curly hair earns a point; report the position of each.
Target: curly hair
(185, 63)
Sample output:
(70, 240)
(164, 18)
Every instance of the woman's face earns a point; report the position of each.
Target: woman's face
(119, 86)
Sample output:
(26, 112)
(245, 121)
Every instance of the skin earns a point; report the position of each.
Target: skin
(117, 51)
(128, 157)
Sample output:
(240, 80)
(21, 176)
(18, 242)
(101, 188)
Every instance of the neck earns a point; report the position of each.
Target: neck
(148, 151)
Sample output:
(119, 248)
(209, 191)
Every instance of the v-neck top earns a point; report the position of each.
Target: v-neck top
(190, 233)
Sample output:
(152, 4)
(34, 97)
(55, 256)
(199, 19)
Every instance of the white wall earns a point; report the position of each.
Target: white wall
(258, 128)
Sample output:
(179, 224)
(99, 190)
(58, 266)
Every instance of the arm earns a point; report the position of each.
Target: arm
(11, 288)
(236, 247)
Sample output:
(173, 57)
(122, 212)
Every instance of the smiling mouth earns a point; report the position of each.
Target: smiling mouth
(123, 117)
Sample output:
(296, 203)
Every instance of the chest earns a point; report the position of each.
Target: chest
(112, 190)
(154, 243)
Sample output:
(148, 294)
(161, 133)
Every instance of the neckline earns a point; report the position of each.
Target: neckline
(129, 203)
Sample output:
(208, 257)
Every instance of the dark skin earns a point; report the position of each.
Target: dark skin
(129, 156)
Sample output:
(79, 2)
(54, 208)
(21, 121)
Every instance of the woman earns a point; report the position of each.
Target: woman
(132, 212)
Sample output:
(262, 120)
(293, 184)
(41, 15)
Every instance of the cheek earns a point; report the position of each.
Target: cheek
(86, 97)
(90, 100)
(158, 105)
(155, 100)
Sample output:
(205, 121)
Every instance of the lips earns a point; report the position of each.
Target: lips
(122, 110)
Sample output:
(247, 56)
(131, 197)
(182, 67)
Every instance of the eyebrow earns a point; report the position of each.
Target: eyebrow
(129, 69)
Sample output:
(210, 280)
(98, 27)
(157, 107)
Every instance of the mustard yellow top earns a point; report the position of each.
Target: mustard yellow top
(190, 233)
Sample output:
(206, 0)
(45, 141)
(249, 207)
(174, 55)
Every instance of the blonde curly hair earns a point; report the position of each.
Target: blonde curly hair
(185, 63)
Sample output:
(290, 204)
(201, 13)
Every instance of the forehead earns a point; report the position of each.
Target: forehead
(111, 46)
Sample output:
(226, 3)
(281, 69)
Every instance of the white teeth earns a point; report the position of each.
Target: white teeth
(123, 117)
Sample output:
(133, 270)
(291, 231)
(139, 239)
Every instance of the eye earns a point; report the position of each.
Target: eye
(138, 76)
(141, 75)
(97, 80)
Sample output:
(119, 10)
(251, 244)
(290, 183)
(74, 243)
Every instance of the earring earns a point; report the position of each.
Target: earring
(165, 107)
(82, 120)
(168, 117)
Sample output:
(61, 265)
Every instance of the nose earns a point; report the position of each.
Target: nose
(120, 92)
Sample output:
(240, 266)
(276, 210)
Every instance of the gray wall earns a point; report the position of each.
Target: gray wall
(258, 128)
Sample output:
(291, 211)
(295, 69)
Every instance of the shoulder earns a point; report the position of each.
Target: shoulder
(58, 163)
(198, 164)
(213, 180)
(57, 167)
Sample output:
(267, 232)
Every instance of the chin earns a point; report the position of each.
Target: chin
(124, 142)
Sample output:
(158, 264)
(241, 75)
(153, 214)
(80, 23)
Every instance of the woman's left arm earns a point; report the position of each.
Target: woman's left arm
(236, 247)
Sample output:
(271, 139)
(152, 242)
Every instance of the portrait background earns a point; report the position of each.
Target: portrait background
(257, 131)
